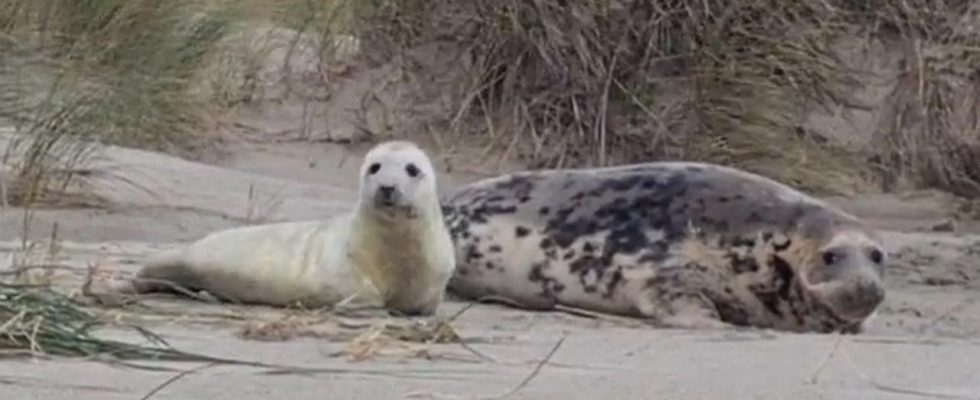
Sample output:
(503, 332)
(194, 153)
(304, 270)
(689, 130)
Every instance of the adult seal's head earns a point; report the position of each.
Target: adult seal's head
(844, 268)
(397, 181)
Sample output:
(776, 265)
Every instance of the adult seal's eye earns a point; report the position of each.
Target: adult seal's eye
(876, 256)
(374, 168)
(412, 170)
(829, 258)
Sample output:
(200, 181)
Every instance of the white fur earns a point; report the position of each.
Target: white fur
(366, 257)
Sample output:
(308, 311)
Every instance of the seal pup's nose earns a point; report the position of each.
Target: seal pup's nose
(386, 194)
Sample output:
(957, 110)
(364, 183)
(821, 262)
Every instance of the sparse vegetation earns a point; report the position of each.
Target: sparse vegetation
(931, 117)
(75, 73)
(584, 83)
(140, 73)
(597, 83)
(78, 74)
(41, 321)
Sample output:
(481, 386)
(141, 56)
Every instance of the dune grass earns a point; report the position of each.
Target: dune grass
(555, 83)
(138, 73)
(41, 321)
(605, 82)
(931, 122)
(79, 73)
(73, 75)
(582, 83)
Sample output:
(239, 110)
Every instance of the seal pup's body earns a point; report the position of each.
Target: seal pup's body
(392, 250)
(684, 244)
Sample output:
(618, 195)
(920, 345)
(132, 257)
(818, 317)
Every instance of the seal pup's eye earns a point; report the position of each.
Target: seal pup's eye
(412, 170)
(374, 168)
(876, 256)
(829, 258)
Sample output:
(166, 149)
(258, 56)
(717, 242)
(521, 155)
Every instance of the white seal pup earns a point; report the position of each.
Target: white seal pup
(683, 244)
(393, 250)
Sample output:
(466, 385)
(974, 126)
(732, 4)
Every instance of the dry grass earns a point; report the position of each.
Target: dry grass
(598, 83)
(932, 116)
(76, 73)
(152, 74)
(109, 70)
(37, 319)
(578, 84)
(40, 321)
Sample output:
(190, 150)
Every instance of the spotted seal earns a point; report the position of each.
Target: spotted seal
(681, 244)
(393, 250)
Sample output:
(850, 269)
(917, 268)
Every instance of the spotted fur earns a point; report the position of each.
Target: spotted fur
(682, 243)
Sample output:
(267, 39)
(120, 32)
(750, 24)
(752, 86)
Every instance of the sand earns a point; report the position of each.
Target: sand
(925, 342)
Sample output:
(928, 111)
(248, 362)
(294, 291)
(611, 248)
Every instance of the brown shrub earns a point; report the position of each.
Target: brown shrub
(579, 83)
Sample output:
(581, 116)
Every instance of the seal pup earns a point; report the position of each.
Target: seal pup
(393, 250)
(682, 244)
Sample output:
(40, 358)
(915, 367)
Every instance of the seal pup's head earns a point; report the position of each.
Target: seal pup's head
(845, 271)
(397, 180)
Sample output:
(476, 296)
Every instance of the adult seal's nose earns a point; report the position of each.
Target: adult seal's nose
(863, 299)
(871, 293)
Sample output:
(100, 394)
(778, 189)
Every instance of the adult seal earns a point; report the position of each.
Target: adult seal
(392, 250)
(682, 244)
